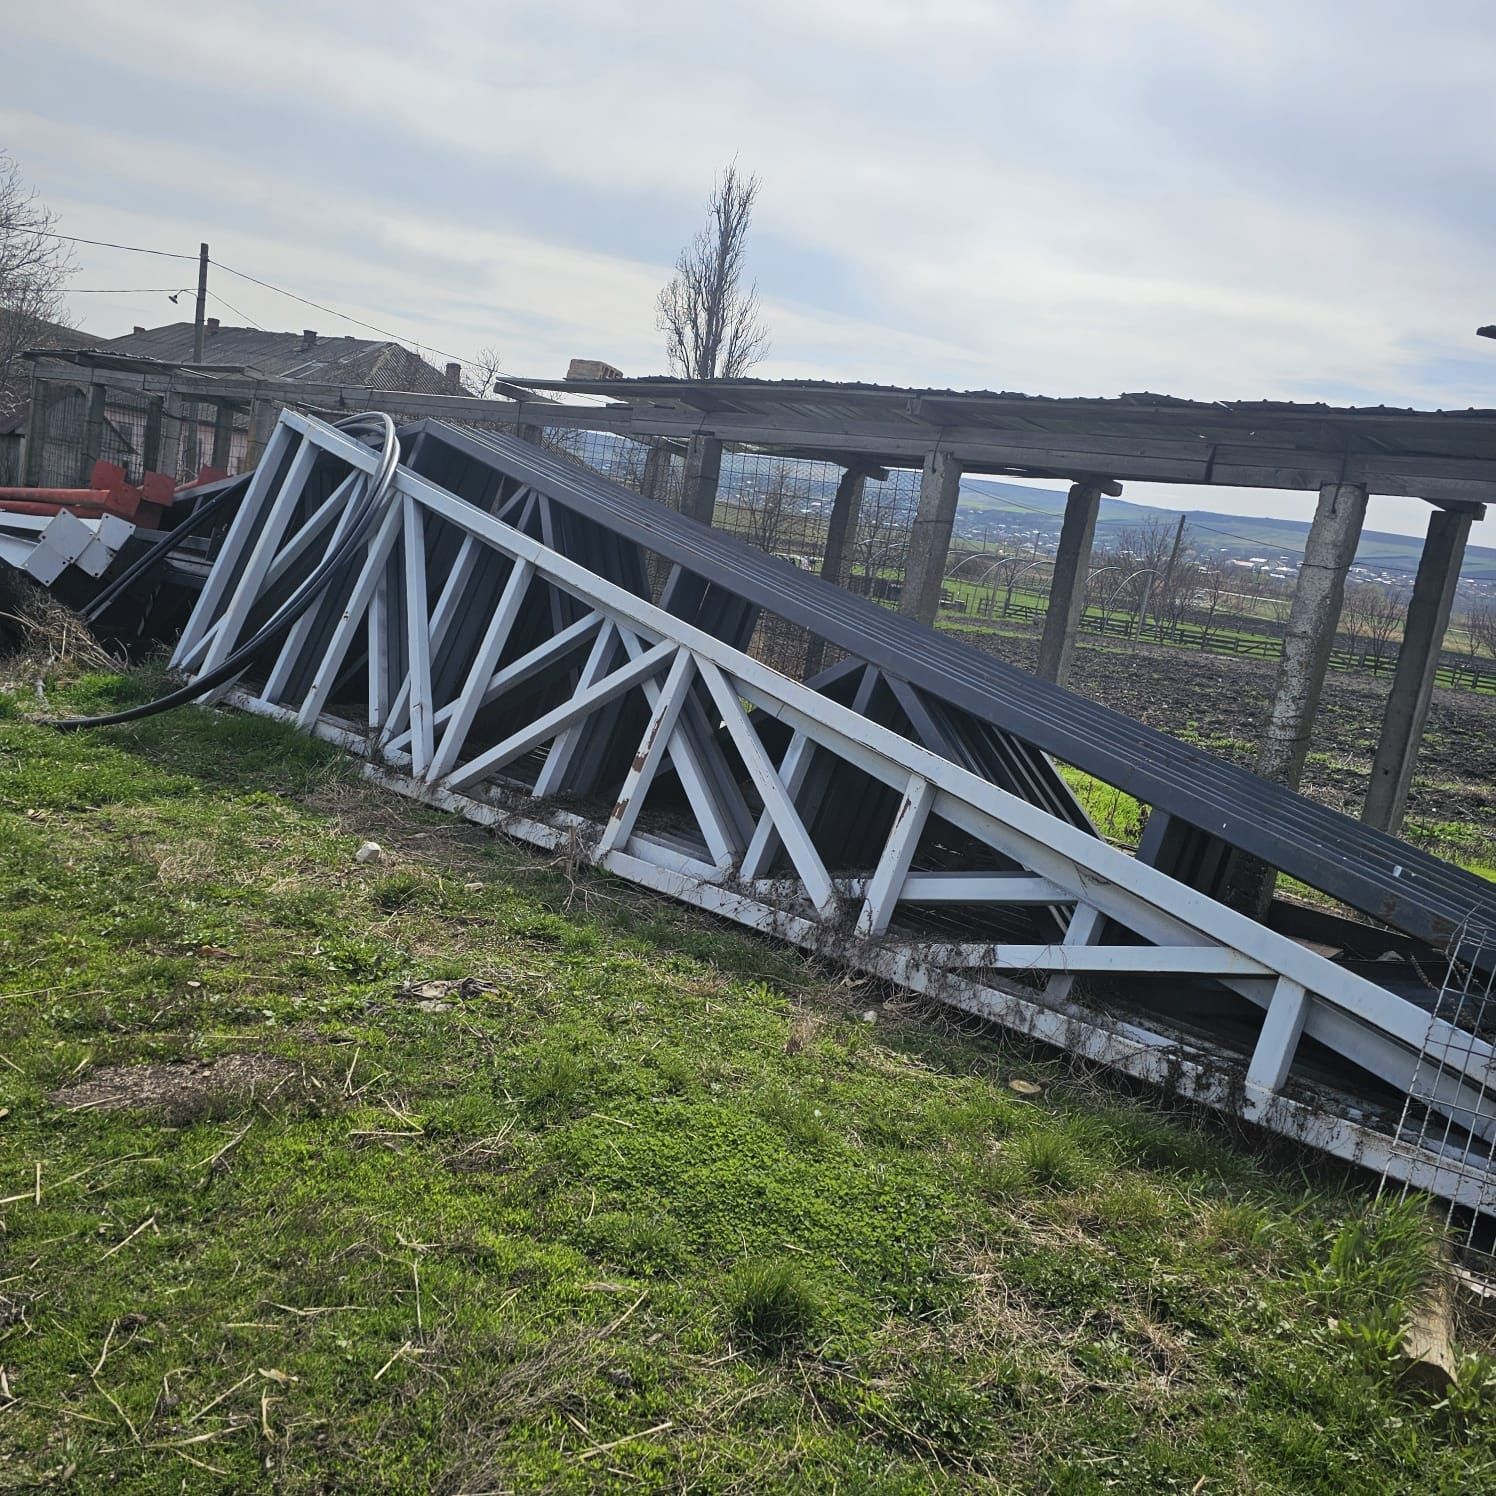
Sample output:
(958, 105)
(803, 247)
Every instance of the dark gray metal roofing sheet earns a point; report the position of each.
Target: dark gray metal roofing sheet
(1367, 869)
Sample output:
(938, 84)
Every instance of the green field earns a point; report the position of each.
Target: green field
(464, 1170)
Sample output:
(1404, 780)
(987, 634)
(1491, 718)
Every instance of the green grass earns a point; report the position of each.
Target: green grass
(645, 1206)
(1468, 844)
(1117, 815)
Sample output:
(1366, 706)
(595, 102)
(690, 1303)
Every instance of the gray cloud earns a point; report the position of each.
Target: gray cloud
(1255, 198)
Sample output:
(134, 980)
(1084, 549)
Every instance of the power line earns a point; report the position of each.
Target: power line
(472, 363)
(135, 249)
(384, 332)
(235, 310)
(124, 290)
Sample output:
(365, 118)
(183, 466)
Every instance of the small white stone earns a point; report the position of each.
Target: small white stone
(871, 1016)
(369, 852)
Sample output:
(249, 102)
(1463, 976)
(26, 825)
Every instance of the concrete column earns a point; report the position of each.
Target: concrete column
(1067, 592)
(656, 472)
(36, 431)
(836, 564)
(532, 434)
(190, 459)
(1310, 637)
(930, 537)
(262, 418)
(1417, 660)
(223, 435)
(846, 507)
(150, 447)
(703, 469)
(93, 433)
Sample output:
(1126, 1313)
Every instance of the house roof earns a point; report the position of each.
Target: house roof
(37, 333)
(288, 355)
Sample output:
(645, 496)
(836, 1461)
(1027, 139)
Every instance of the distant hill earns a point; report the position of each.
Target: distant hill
(1014, 509)
(995, 511)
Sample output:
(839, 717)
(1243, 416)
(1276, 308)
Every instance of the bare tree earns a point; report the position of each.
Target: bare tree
(1100, 579)
(1385, 609)
(1172, 603)
(1017, 566)
(1480, 630)
(882, 540)
(765, 519)
(1251, 587)
(1212, 579)
(1144, 552)
(484, 370)
(1354, 609)
(33, 271)
(710, 321)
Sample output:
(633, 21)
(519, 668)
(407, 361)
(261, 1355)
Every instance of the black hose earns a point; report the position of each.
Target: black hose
(311, 588)
(167, 543)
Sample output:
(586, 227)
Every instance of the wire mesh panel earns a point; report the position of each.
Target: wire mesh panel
(10, 460)
(175, 436)
(655, 469)
(58, 429)
(1456, 1135)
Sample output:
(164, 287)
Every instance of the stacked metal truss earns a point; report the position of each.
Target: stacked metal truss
(497, 652)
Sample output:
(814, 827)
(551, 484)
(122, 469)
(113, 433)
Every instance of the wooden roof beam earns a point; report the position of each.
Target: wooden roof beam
(1449, 481)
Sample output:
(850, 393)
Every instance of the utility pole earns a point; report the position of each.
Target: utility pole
(188, 464)
(201, 316)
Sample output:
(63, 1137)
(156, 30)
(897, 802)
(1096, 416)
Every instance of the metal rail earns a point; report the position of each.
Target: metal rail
(493, 656)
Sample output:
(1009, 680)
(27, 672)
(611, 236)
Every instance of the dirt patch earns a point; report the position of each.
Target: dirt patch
(185, 1090)
(401, 829)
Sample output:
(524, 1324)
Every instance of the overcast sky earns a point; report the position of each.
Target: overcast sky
(1289, 199)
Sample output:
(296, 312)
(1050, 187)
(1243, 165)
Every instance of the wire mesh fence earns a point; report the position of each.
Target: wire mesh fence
(175, 436)
(779, 505)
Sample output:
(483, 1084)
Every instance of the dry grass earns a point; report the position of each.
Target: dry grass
(39, 637)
